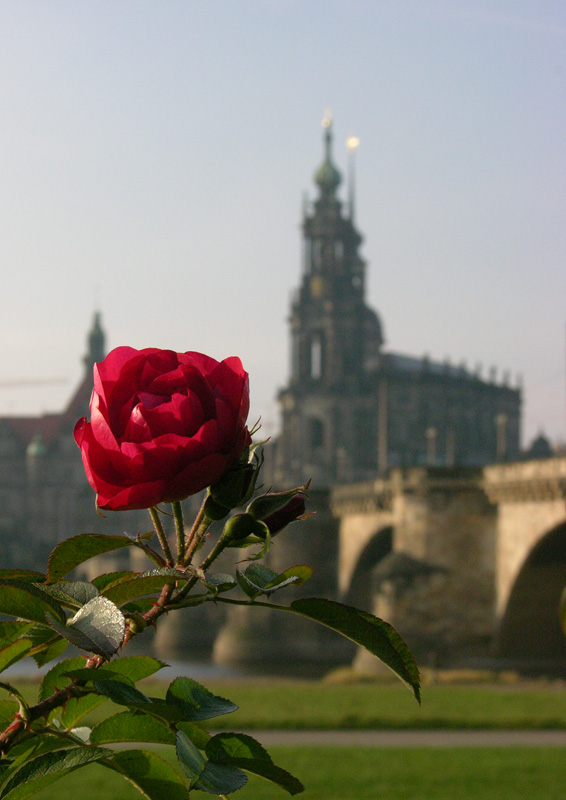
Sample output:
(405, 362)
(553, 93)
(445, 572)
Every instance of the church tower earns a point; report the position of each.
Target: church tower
(328, 413)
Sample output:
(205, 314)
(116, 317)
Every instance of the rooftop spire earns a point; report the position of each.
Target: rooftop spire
(327, 176)
(352, 143)
(96, 343)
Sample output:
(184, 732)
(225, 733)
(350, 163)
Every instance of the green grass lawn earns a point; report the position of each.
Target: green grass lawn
(370, 774)
(300, 704)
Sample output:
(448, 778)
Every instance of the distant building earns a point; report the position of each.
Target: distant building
(44, 494)
(351, 409)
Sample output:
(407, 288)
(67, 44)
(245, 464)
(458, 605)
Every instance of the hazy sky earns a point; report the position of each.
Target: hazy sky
(154, 155)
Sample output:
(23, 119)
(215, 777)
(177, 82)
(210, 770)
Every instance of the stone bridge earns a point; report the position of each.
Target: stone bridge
(467, 564)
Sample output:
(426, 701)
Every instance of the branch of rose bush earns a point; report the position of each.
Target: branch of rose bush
(23, 720)
(179, 530)
(161, 535)
(200, 526)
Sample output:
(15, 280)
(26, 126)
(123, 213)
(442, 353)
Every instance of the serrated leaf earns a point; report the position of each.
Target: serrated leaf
(56, 679)
(133, 668)
(297, 575)
(149, 773)
(189, 601)
(98, 627)
(10, 631)
(78, 707)
(73, 593)
(45, 769)
(121, 693)
(141, 585)
(220, 582)
(15, 692)
(196, 702)
(14, 652)
(259, 574)
(78, 549)
(92, 675)
(50, 651)
(25, 575)
(129, 726)
(247, 586)
(7, 711)
(110, 578)
(24, 600)
(224, 746)
(243, 751)
(259, 579)
(377, 636)
(271, 772)
(215, 778)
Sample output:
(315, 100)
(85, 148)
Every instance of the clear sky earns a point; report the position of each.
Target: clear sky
(154, 155)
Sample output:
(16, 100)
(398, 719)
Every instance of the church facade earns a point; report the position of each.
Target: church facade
(352, 409)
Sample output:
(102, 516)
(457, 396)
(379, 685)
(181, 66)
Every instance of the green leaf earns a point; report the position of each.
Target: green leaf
(260, 579)
(110, 578)
(98, 627)
(21, 599)
(243, 751)
(121, 693)
(196, 702)
(21, 575)
(129, 726)
(141, 585)
(7, 711)
(225, 746)
(10, 631)
(73, 593)
(296, 575)
(51, 651)
(78, 707)
(133, 668)
(149, 773)
(271, 772)
(215, 778)
(364, 629)
(45, 769)
(220, 582)
(251, 589)
(56, 679)
(74, 551)
(14, 652)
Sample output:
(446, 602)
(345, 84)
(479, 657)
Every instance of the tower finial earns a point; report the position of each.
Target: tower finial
(327, 176)
(352, 143)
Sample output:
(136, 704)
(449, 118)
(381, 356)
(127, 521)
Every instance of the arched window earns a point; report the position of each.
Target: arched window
(316, 432)
(316, 356)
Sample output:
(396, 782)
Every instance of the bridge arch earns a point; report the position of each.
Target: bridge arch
(530, 633)
(360, 591)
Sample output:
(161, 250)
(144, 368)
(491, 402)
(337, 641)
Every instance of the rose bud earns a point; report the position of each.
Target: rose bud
(235, 487)
(270, 502)
(294, 509)
(240, 526)
(163, 425)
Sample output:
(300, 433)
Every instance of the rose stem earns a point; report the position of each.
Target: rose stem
(180, 529)
(212, 556)
(200, 525)
(154, 514)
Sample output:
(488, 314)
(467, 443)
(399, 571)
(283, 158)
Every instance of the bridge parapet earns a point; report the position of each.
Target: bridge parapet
(527, 481)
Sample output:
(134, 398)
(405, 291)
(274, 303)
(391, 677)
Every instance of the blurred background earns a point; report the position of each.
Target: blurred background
(154, 158)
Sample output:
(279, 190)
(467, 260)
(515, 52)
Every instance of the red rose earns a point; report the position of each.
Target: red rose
(163, 426)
